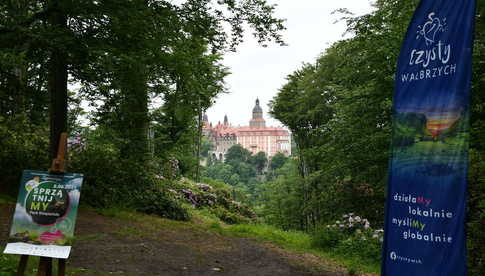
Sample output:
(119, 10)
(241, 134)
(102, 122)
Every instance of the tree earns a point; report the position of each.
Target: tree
(277, 161)
(206, 147)
(245, 171)
(280, 199)
(237, 154)
(234, 180)
(352, 82)
(259, 161)
(124, 56)
(222, 172)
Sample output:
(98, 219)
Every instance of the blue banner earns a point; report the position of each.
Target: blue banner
(426, 200)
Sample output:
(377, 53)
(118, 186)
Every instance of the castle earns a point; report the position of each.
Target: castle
(256, 137)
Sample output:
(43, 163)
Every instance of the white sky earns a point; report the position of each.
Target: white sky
(260, 72)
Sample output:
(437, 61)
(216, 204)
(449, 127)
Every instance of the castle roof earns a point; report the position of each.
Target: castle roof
(257, 108)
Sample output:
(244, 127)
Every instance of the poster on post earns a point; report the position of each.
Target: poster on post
(45, 214)
(426, 200)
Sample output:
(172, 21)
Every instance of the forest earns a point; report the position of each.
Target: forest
(129, 81)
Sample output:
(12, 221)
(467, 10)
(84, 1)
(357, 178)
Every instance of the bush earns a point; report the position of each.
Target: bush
(351, 236)
(110, 180)
(327, 237)
(229, 217)
(361, 246)
(105, 178)
(23, 145)
(155, 202)
(216, 200)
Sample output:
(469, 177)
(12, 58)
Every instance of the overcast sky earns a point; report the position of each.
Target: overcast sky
(260, 72)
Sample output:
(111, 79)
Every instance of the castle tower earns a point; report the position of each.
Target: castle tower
(226, 121)
(257, 121)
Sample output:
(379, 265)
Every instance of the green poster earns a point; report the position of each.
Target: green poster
(45, 214)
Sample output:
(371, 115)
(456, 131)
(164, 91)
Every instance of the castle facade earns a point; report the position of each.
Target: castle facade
(256, 137)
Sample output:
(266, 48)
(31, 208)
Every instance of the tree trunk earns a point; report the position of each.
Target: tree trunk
(57, 83)
(134, 119)
(199, 141)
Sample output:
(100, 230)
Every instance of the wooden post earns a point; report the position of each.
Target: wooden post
(24, 259)
(45, 267)
(58, 167)
(59, 163)
(61, 271)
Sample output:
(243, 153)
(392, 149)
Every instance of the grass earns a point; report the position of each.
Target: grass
(300, 242)
(90, 237)
(201, 219)
(130, 231)
(288, 239)
(9, 264)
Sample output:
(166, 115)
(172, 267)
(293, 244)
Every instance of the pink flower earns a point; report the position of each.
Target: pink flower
(50, 238)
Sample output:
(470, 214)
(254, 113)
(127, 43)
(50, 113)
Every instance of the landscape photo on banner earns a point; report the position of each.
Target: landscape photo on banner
(45, 214)
(426, 197)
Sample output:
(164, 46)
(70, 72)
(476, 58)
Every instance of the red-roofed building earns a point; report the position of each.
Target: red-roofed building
(256, 137)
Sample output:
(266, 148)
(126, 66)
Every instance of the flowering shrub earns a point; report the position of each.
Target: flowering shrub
(351, 224)
(76, 143)
(153, 201)
(216, 200)
(351, 236)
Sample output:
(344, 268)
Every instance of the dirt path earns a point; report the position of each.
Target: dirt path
(152, 246)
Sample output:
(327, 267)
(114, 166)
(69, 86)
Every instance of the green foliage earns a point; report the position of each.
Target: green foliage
(240, 169)
(217, 199)
(8, 265)
(279, 200)
(23, 145)
(351, 237)
(220, 171)
(217, 184)
(153, 201)
(278, 161)
(290, 239)
(259, 161)
(360, 247)
(112, 181)
(228, 216)
(244, 170)
(476, 214)
(206, 146)
(237, 154)
(109, 179)
(327, 237)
